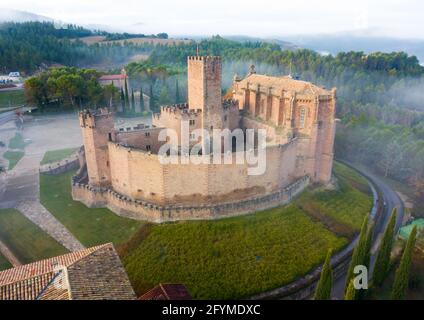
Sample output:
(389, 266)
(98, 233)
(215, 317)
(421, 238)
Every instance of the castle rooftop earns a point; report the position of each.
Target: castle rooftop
(284, 83)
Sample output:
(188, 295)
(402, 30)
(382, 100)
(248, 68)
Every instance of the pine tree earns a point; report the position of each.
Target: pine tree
(141, 100)
(177, 92)
(325, 284)
(132, 100)
(400, 285)
(127, 98)
(350, 292)
(359, 253)
(382, 262)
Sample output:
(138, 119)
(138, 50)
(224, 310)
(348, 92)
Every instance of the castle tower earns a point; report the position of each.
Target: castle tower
(97, 128)
(204, 89)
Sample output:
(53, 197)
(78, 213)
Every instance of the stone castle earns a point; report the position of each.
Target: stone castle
(120, 169)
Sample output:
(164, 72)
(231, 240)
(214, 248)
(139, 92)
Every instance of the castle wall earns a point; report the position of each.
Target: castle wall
(147, 211)
(141, 139)
(140, 175)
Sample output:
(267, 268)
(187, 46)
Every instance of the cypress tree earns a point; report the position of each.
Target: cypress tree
(141, 100)
(132, 100)
(122, 100)
(325, 284)
(350, 292)
(359, 253)
(177, 92)
(382, 262)
(127, 98)
(400, 284)
(368, 247)
(152, 99)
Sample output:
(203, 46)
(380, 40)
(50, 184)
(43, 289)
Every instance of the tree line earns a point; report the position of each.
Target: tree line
(69, 87)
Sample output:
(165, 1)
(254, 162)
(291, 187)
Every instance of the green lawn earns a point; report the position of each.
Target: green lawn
(13, 157)
(90, 226)
(4, 264)
(57, 155)
(12, 98)
(17, 142)
(25, 239)
(230, 258)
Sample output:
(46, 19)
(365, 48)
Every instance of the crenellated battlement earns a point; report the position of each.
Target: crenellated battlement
(89, 118)
(204, 58)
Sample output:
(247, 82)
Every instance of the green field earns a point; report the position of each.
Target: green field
(25, 239)
(57, 155)
(4, 264)
(13, 157)
(90, 226)
(12, 98)
(230, 258)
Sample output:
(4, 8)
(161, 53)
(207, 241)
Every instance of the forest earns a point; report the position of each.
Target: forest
(29, 46)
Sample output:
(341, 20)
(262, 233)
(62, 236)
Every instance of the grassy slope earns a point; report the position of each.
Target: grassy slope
(231, 258)
(57, 155)
(343, 209)
(15, 98)
(13, 157)
(25, 239)
(90, 226)
(238, 257)
(4, 264)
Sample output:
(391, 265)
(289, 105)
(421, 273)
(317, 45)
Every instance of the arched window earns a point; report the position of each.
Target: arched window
(302, 117)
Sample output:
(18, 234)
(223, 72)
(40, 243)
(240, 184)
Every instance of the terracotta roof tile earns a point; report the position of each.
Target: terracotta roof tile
(167, 292)
(93, 273)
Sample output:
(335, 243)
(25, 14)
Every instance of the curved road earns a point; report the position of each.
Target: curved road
(390, 200)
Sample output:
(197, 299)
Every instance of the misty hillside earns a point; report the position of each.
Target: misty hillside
(10, 15)
(344, 42)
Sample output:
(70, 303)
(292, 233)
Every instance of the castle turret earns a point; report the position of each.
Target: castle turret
(97, 129)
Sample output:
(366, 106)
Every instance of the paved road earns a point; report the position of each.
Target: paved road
(391, 200)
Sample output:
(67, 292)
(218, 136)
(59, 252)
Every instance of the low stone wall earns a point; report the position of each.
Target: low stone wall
(141, 210)
(65, 165)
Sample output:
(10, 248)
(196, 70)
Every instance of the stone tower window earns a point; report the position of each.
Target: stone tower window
(302, 117)
(147, 134)
(192, 122)
(148, 147)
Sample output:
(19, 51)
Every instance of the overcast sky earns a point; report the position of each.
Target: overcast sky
(400, 18)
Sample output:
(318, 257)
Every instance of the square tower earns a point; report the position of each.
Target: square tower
(204, 89)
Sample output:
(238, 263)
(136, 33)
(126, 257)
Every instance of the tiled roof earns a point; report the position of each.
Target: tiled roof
(283, 83)
(113, 77)
(167, 292)
(93, 273)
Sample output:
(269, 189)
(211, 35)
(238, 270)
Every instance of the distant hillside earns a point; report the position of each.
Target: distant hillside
(344, 42)
(285, 45)
(10, 15)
